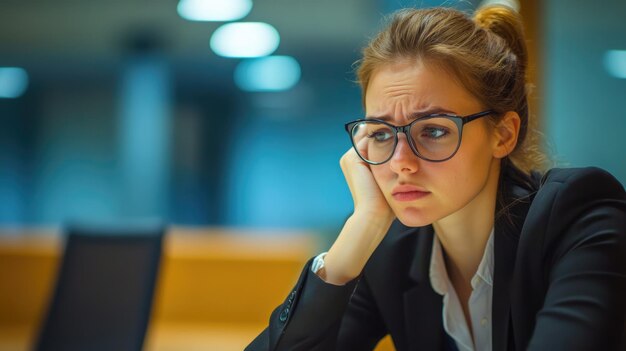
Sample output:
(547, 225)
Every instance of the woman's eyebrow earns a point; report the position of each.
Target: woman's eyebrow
(416, 114)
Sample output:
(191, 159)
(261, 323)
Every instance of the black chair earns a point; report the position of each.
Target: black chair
(104, 289)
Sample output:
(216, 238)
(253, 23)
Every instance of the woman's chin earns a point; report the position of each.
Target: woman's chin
(411, 217)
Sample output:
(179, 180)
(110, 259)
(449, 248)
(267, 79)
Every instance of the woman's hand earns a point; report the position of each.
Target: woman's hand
(366, 195)
(365, 228)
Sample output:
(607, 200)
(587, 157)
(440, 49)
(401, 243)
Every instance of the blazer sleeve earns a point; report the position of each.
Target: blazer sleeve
(321, 316)
(585, 301)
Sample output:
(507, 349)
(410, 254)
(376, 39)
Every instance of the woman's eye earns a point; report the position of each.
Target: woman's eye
(434, 132)
(380, 135)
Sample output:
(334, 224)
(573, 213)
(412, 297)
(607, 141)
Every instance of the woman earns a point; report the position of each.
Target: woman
(453, 243)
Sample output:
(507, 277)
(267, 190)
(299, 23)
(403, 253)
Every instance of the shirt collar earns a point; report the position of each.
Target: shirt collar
(485, 268)
(438, 274)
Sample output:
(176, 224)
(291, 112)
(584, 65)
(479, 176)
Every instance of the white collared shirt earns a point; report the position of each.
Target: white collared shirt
(454, 321)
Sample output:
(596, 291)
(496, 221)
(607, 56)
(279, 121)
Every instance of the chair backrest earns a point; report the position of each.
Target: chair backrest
(104, 289)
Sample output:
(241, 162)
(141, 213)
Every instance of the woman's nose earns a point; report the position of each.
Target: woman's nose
(404, 159)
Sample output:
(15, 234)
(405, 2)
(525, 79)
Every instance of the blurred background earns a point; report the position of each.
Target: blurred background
(232, 116)
(126, 109)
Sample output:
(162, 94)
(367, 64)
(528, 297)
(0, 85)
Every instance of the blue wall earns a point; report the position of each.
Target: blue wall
(584, 105)
(284, 169)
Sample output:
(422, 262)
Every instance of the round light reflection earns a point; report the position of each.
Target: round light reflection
(245, 39)
(615, 63)
(13, 82)
(214, 10)
(272, 73)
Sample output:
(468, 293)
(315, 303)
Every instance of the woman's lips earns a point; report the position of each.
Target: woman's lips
(408, 192)
(409, 195)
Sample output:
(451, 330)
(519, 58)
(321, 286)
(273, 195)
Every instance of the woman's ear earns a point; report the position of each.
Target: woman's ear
(505, 134)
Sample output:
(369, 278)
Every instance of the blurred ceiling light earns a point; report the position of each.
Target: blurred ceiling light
(13, 82)
(245, 39)
(214, 10)
(514, 4)
(272, 73)
(615, 63)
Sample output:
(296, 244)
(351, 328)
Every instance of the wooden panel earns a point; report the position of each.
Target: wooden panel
(216, 286)
(230, 279)
(215, 292)
(28, 268)
(531, 11)
(385, 344)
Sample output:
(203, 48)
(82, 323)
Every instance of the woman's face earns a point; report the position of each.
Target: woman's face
(398, 91)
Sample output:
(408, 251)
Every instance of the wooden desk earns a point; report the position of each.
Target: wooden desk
(215, 291)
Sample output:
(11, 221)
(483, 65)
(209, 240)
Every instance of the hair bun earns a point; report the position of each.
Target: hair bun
(507, 24)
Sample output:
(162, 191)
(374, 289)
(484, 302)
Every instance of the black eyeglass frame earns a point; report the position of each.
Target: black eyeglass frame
(460, 121)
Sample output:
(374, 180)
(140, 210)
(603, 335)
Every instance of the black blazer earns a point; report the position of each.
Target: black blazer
(559, 278)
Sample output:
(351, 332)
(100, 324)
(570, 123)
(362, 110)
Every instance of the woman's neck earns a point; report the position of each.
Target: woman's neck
(464, 234)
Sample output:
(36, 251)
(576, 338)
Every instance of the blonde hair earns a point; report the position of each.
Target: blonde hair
(486, 53)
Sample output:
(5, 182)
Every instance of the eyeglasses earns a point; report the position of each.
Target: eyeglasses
(434, 138)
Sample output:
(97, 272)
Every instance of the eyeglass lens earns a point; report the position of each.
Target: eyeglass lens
(434, 138)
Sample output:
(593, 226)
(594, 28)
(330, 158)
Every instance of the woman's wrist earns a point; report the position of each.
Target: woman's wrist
(374, 219)
(355, 244)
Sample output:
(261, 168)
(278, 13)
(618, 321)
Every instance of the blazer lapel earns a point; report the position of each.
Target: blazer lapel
(517, 190)
(505, 246)
(422, 305)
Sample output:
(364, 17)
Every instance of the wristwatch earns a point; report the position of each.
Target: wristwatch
(318, 262)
